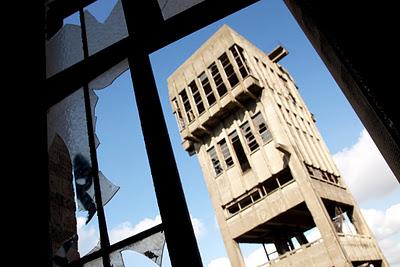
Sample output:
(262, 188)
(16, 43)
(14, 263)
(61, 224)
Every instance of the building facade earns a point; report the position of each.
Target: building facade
(269, 174)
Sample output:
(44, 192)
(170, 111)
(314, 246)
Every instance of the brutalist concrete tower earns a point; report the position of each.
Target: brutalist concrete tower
(269, 174)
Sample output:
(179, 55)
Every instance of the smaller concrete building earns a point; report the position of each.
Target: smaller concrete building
(269, 174)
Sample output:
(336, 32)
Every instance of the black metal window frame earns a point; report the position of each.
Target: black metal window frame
(141, 41)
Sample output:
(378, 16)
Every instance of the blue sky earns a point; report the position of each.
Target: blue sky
(122, 156)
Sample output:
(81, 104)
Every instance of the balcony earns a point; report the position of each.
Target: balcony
(359, 247)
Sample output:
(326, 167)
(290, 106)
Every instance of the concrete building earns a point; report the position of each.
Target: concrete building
(269, 174)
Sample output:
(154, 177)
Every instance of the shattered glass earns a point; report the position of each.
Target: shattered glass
(108, 77)
(67, 119)
(64, 49)
(101, 35)
(152, 247)
(170, 8)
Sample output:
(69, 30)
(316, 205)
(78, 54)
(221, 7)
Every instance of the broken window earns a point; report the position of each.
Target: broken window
(262, 127)
(219, 82)
(233, 208)
(215, 161)
(229, 70)
(150, 243)
(102, 34)
(342, 216)
(178, 114)
(198, 100)
(270, 185)
(205, 83)
(187, 106)
(285, 177)
(237, 53)
(243, 203)
(248, 134)
(225, 153)
(240, 154)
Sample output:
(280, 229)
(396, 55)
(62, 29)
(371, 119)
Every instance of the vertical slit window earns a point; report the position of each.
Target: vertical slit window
(229, 71)
(197, 97)
(237, 53)
(187, 106)
(215, 161)
(225, 153)
(219, 83)
(178, 114)
(205, 82)
(261, 127)
(250, 138)
(240, 154)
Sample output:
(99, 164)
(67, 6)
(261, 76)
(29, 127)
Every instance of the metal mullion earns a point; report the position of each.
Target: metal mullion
(104, 239)
(117, 246)
(178, 228)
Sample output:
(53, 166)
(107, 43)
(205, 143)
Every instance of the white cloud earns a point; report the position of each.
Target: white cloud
(258, 256)
(87, 236)
(383, 224)
(220, 262)
(391, 250)
(126, 229)
(364, 170)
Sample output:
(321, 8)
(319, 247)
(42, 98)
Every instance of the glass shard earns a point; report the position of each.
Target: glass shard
(101, 35)
(152, 247)
(170, 8)
(108, 77)
(68, 120)
(64, 49)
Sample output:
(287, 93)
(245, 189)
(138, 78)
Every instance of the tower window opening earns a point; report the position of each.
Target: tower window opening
(215, 161)
(197, 97)
(240, 154)
(229, 71)
(219, 83)
(262, 127)
(187, 106)
(270, 185)
(237, 53)
(226, 153)
(250, 138)
(178, 114)
(205, 82)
